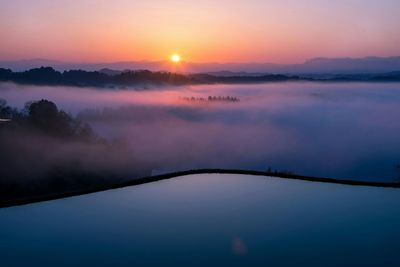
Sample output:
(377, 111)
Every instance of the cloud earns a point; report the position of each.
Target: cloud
(337, 130)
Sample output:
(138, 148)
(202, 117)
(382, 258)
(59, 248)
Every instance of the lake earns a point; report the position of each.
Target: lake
(208, 220)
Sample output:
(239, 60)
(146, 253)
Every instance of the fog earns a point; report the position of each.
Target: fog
(341, 130)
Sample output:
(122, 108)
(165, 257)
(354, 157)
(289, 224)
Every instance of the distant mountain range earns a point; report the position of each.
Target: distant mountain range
(367, 65)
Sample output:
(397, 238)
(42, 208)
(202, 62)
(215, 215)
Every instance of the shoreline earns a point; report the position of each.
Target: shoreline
(151, 179)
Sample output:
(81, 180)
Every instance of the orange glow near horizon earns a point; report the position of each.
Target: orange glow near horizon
(208, 31)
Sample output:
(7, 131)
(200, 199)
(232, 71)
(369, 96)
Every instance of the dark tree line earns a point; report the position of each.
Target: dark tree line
(212, 99)
(49, 76)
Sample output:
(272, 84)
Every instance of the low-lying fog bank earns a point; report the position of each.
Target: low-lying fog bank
(347, 130)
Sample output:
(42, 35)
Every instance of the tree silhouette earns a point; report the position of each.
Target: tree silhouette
(46, 116)
(7, 112)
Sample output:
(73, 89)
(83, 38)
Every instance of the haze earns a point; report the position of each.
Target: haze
(347, 130)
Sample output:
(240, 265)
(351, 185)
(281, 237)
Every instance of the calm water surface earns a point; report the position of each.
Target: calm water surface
(208, 220)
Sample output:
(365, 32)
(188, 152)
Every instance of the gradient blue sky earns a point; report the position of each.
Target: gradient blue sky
(282, 31)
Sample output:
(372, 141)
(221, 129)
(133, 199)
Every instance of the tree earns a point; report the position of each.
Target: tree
(6, 112)
(47, 117)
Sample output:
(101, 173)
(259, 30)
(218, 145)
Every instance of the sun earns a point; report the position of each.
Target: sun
(175, 58)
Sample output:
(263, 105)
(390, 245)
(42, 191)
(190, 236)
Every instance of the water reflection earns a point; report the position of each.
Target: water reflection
(197, 220)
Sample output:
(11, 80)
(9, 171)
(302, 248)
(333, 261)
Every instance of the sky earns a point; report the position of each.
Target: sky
(278, 31)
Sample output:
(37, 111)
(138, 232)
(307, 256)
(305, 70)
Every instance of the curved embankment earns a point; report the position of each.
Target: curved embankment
(150, 179)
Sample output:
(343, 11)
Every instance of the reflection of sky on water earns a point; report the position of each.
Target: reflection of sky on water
(203, 220)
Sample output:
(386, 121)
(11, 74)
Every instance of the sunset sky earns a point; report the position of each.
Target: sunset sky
(280, 31)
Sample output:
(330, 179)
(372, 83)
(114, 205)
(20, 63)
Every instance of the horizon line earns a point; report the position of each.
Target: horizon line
(60, 61)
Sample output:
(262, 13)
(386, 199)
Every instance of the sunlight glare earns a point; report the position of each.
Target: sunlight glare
(175, 58)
